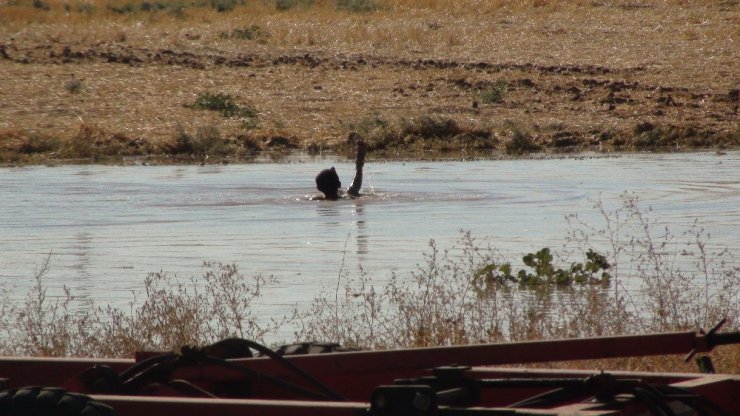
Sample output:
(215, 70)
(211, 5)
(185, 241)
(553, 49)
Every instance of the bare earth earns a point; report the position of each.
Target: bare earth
(477, 78)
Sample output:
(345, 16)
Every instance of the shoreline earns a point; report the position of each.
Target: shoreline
(298, 156)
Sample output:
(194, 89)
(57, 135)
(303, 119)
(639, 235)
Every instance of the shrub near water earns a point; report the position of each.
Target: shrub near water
(469, 294)
(466, 294)
(174, 312)
(222, 103)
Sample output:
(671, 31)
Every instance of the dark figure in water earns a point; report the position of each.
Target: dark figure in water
(327, 181)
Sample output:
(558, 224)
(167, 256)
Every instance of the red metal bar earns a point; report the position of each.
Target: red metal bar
(46, 371)
(491, 354)
(156, 406)
(722, 390)
(502, 397)
(354, 374)
(649, 377)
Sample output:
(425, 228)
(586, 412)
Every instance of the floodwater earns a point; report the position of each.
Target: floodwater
(107, 227)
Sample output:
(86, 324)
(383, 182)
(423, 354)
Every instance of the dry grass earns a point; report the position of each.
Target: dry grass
(661, 282)
(579, 74)
(174, 313)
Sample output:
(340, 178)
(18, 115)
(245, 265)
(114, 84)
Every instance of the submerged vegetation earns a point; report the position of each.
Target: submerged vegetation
(625, 276)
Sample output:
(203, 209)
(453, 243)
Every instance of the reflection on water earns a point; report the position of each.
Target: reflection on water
(360, 231)
(108, 226)
(333, 211)
(82, 253)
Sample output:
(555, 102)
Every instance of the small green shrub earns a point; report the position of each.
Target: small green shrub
(283, 5)
(73, 86)
(123, 9)
(174, 7)
(147, 6)
(85, 8)
(253, 32)
(224, 104)
(224, 5)
(494, 94)
(357, 6)
(41, 5)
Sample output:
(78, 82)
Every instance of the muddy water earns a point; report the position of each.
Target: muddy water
(106, 227)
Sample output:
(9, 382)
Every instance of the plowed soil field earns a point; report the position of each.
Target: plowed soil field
(414, 78)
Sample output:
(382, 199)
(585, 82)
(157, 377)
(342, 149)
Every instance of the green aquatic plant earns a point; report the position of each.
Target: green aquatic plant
(543, 272)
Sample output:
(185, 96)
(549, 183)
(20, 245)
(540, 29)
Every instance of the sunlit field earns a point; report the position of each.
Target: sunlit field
(102, 80)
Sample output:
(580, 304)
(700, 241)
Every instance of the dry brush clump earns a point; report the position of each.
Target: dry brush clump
(420, 133)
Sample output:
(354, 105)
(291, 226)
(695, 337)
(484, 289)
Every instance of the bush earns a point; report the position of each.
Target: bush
(73, 86)
(174, 7)
(225, 5)
(253, 32)
(174, 313)
(457, 296)
(206, 140)
(41, 5)
(469, 294)
(521, 142)
(224, 104)
(494, 94)
(283, 5)
(42, 326)
(432, 127)
(357, 6)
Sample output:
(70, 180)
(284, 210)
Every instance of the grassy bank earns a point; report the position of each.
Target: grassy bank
(106, 80)
(626, 275)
